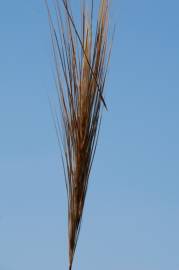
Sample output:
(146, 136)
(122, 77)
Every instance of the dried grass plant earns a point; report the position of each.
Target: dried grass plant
(81, 61)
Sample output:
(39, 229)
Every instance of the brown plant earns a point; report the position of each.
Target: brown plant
(81, 61)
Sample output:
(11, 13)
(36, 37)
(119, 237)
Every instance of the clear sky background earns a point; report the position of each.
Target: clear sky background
(131, 219)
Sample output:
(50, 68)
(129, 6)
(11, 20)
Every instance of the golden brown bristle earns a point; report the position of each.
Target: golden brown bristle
(81, 60)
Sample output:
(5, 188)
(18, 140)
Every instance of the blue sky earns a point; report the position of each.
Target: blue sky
(131, 220)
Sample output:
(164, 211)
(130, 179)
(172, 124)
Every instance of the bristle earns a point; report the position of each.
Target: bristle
(81, 62)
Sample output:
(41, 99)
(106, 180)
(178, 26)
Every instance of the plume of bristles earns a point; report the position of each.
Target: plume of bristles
(81, 61)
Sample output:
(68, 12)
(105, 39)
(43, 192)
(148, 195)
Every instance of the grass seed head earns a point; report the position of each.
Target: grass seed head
(81, 61)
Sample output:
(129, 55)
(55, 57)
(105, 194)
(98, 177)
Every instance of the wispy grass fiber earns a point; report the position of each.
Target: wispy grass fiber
(81, 61)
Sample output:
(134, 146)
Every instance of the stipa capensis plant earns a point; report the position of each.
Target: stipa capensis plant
(81, 60)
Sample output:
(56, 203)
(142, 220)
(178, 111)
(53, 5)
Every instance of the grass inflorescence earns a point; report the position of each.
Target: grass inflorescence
(81, 62)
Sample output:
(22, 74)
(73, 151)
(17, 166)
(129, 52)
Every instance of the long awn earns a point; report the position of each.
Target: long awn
(81, 62)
